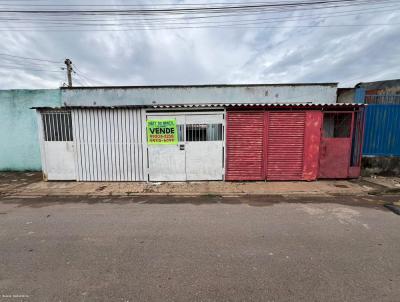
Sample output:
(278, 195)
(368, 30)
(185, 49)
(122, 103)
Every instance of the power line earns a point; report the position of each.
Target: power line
(85, 21)
(129, 5)
(60, 23)
(27, 58)
(225, 26)
(26, 63)
(230, 22)
(23, 68)
(82, 75)
(258, 11)
(186, 17)
(79, 80)
(187, 10)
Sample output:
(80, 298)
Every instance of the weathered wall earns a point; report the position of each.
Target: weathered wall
(298, 93)
(381, 87)
(19, 147)
(380, 165)
(346, 95)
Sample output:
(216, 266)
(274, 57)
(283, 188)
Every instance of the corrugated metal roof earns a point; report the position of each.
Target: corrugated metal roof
(215, 105)
(379, 84)
(259, 105)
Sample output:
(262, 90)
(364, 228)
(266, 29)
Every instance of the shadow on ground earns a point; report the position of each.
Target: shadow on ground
(254, 201)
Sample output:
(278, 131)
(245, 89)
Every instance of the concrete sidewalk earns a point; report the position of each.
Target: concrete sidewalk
(31, 184)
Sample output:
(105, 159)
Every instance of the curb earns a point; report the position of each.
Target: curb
(183, 194)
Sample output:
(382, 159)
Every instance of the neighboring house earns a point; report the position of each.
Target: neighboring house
(19, 148)
(381, 148)
(201, 132)
(381, 92)
(382, 129)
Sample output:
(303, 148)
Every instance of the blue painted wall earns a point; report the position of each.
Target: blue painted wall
(359, 96)
(382, 130)
(19, 145)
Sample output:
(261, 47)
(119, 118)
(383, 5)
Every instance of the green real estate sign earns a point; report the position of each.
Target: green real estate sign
(162, 132)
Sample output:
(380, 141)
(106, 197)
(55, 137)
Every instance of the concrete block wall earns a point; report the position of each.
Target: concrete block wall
(19, 146)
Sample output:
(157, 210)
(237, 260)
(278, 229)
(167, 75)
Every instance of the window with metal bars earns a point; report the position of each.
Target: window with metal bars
(57, 126)
(337, 125)
(203, 132)
(181, 132)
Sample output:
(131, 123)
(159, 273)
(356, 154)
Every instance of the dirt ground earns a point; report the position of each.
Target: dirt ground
(31, 184)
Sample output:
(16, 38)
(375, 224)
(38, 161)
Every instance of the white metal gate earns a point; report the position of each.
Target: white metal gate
(109, 144)
(56, 143)
(199, 154)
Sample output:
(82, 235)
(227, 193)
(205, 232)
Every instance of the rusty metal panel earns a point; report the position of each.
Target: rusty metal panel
(285, 145)
(334, 158)
(312, 141)
(336, 144)
(245, 145)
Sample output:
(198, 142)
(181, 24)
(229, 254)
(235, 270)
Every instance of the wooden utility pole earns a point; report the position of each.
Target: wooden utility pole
(68, 62)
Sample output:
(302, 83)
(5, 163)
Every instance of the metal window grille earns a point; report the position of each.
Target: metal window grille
(181, 132)
(337, 125)
(57, 126)
(203, 132)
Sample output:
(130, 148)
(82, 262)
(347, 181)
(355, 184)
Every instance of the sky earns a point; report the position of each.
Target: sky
(299, 50)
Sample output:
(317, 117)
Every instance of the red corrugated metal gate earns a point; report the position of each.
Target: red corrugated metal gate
(271, 145)
(245, 145)
(285, 145)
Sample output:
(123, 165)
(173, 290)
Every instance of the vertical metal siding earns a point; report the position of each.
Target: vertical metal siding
(109, 144)
(380, 99)
(357, 138)
(285, 145)
(382, 130)
(244, 145)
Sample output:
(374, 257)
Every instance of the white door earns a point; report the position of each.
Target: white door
(60, 164)
(199, 154)
(58, 156)
(167, 162)
(204, 147)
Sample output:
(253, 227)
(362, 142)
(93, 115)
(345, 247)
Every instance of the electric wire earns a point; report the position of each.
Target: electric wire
(28, 58)
(83, 75)
(2, 66)
(265, 20)
(188, 17)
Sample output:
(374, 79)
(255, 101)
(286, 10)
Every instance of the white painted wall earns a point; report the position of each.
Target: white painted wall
(120, 96)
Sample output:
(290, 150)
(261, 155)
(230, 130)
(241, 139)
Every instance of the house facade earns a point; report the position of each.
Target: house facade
(204, 132)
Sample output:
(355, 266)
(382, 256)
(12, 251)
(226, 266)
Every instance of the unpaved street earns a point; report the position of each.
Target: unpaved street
(199, 249)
